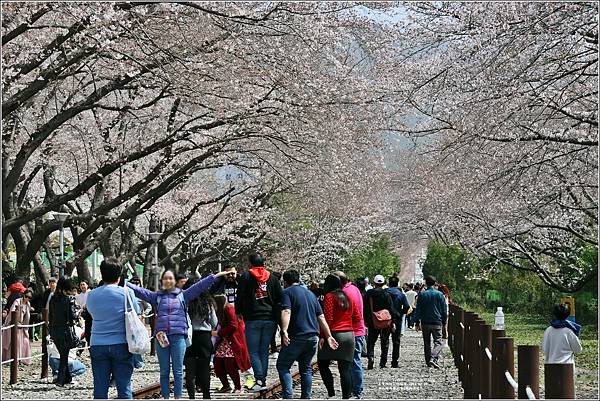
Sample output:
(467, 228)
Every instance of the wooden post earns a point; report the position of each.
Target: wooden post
(504, 358)
(44, 344)
(528, 370)
(486, 362)
(477, 352)
(468, 355)
(559, 382)
(495, 384)
(15, 317)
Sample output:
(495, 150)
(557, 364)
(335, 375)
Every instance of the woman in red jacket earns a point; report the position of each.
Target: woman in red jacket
(231, 352)
(340, 314)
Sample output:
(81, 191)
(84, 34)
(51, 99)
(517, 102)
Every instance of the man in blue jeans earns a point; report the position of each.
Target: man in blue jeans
(301, 317)
(258, 301)
(108, 349)
(430, 316)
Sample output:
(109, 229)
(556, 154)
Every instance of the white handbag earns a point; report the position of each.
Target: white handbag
(138, 339)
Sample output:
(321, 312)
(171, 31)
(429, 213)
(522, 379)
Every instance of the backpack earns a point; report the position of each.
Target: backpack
(190, 329)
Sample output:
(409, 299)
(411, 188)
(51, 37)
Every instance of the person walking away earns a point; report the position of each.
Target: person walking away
(402, 307)
(197, 356)
(561, 342)
(259, 303)
(22, 304)
(341, 316)
(318, 292)
(109, 352)
(377, 299)
(301, 318)
(430, 317)
(171, 327)
(360, 345)
(411, 296)
(61, 320)
(231, 352)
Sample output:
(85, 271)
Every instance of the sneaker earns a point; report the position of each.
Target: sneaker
(370, 364)
(224, 390)
(395, 366)
(256, 388)
(238, 391)
(249, 382)
(434, 363)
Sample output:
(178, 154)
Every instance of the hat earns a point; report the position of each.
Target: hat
(17, 288)
(379, 279)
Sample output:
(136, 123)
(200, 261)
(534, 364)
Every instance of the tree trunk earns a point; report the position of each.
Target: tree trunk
(23, 266)
(41, 273)
(164, 258)
(83, 271)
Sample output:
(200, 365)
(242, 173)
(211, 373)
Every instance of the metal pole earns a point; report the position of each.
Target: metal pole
(14, 345)
(485, 386)
(504, 358)
(94, 264)
(44, 344)
(559, 381)
(528, 370)
(61, 270)
(156, 283)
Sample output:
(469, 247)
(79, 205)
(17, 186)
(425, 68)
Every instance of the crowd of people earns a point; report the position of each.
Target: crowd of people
(230, 321)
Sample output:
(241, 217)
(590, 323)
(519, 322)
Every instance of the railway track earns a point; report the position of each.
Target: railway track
(272, 392)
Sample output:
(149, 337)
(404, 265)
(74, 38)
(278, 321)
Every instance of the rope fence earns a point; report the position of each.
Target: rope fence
(22, 326)
(31, 357)
(15, 349)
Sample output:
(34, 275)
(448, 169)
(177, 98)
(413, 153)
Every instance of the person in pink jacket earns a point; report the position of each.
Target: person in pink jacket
(360, 330)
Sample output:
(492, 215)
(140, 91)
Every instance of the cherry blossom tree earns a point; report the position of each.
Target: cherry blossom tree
(503, 113)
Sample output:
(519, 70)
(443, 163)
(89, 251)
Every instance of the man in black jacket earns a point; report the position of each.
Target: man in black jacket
(377, 299)
(228, 286)
(258, 301)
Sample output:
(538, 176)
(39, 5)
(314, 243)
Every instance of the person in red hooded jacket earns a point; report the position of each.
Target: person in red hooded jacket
(258, 301)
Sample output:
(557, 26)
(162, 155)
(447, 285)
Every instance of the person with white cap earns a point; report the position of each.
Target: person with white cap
(378, 322)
